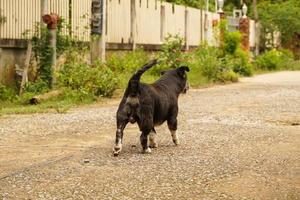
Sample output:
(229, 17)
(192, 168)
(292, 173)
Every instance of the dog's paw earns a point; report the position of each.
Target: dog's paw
(153, 145)
(147, 151)
(117, 149)
(176, 142)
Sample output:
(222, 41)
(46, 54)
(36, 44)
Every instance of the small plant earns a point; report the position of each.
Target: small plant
(37, 87)
(127, 62)
(242, 65)
(208, 61)
(232, 42)
(273, 60)
(214, 65)
(171, 55)
(6, 93)
(98, 80)
(2, 19)
(43, 53)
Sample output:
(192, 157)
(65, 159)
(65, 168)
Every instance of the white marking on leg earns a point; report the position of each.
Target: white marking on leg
(148, 150)
(118, 145)
(174, 137)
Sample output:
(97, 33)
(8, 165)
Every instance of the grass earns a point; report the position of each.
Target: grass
(46, 107)
(62, 104)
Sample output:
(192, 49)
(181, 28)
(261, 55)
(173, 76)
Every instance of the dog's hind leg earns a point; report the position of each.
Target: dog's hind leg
(144, 140)
(121, 124)
(152, 139)
(172, 125)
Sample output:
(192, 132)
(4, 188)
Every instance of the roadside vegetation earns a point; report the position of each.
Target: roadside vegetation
(79, 82)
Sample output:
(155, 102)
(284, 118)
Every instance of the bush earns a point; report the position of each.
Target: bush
(208, 61)
(215, 67)
(6, 93)
(225, 70)
(98, 80)
(171, 55)
(232, 42)
(127, 62)
(273, 59)
(37, 87)
(242, 65)
(240, 58)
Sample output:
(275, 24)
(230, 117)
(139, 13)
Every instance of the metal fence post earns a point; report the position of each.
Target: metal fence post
(133, 23)
(186, 28)
(98, 25)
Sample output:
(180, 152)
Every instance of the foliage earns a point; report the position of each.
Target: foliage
(213, 66)
(6, 93)
(280, 16)
(192, 3)
(228, 5)
(273, 60)
(2, 19)
(232, 42)
(127, 62)
(37, 87)
(239, 59)
(241, 64)
(79, 76)
(171, 55)
(171, 51)
(43, 53)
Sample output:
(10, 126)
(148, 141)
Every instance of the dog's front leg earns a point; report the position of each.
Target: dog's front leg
(172, 125)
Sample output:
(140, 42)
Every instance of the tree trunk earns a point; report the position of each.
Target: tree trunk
(257, 28)
(25, 70)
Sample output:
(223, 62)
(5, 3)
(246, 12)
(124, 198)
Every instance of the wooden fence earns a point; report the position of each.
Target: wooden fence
(154, 20)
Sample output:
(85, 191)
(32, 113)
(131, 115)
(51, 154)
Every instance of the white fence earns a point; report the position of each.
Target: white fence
(154, 20)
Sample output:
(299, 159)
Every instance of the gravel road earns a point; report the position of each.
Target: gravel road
(238, 141)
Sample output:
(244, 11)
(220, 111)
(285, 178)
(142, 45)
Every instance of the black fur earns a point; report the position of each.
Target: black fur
(150, 105)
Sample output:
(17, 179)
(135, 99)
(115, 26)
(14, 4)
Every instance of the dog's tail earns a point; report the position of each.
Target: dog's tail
(133, 84)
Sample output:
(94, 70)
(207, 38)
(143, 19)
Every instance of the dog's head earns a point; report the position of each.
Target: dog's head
(181, 75)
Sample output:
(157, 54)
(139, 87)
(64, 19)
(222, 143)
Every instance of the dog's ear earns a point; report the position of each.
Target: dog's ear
(181, 71)
(162, 73)
(185, 68)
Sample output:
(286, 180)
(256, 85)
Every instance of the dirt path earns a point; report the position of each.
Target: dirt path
(239, 141)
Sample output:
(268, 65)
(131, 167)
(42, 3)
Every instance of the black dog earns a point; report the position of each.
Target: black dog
(150, 105)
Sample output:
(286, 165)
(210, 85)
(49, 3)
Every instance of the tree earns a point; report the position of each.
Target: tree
(257, 27)
(280, 16)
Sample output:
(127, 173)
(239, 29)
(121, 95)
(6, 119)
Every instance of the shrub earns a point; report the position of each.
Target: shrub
(171, 55)
(127, 62)
(6, 93)
(171, 51)
(215, 67)
(239, 58)
(225, 70)
(98, 80)
(273, 59)
(209, 62)
(39, 86)
(232, 42)
(242, 65)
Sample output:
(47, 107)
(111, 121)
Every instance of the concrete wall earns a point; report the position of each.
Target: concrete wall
(8, 58)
